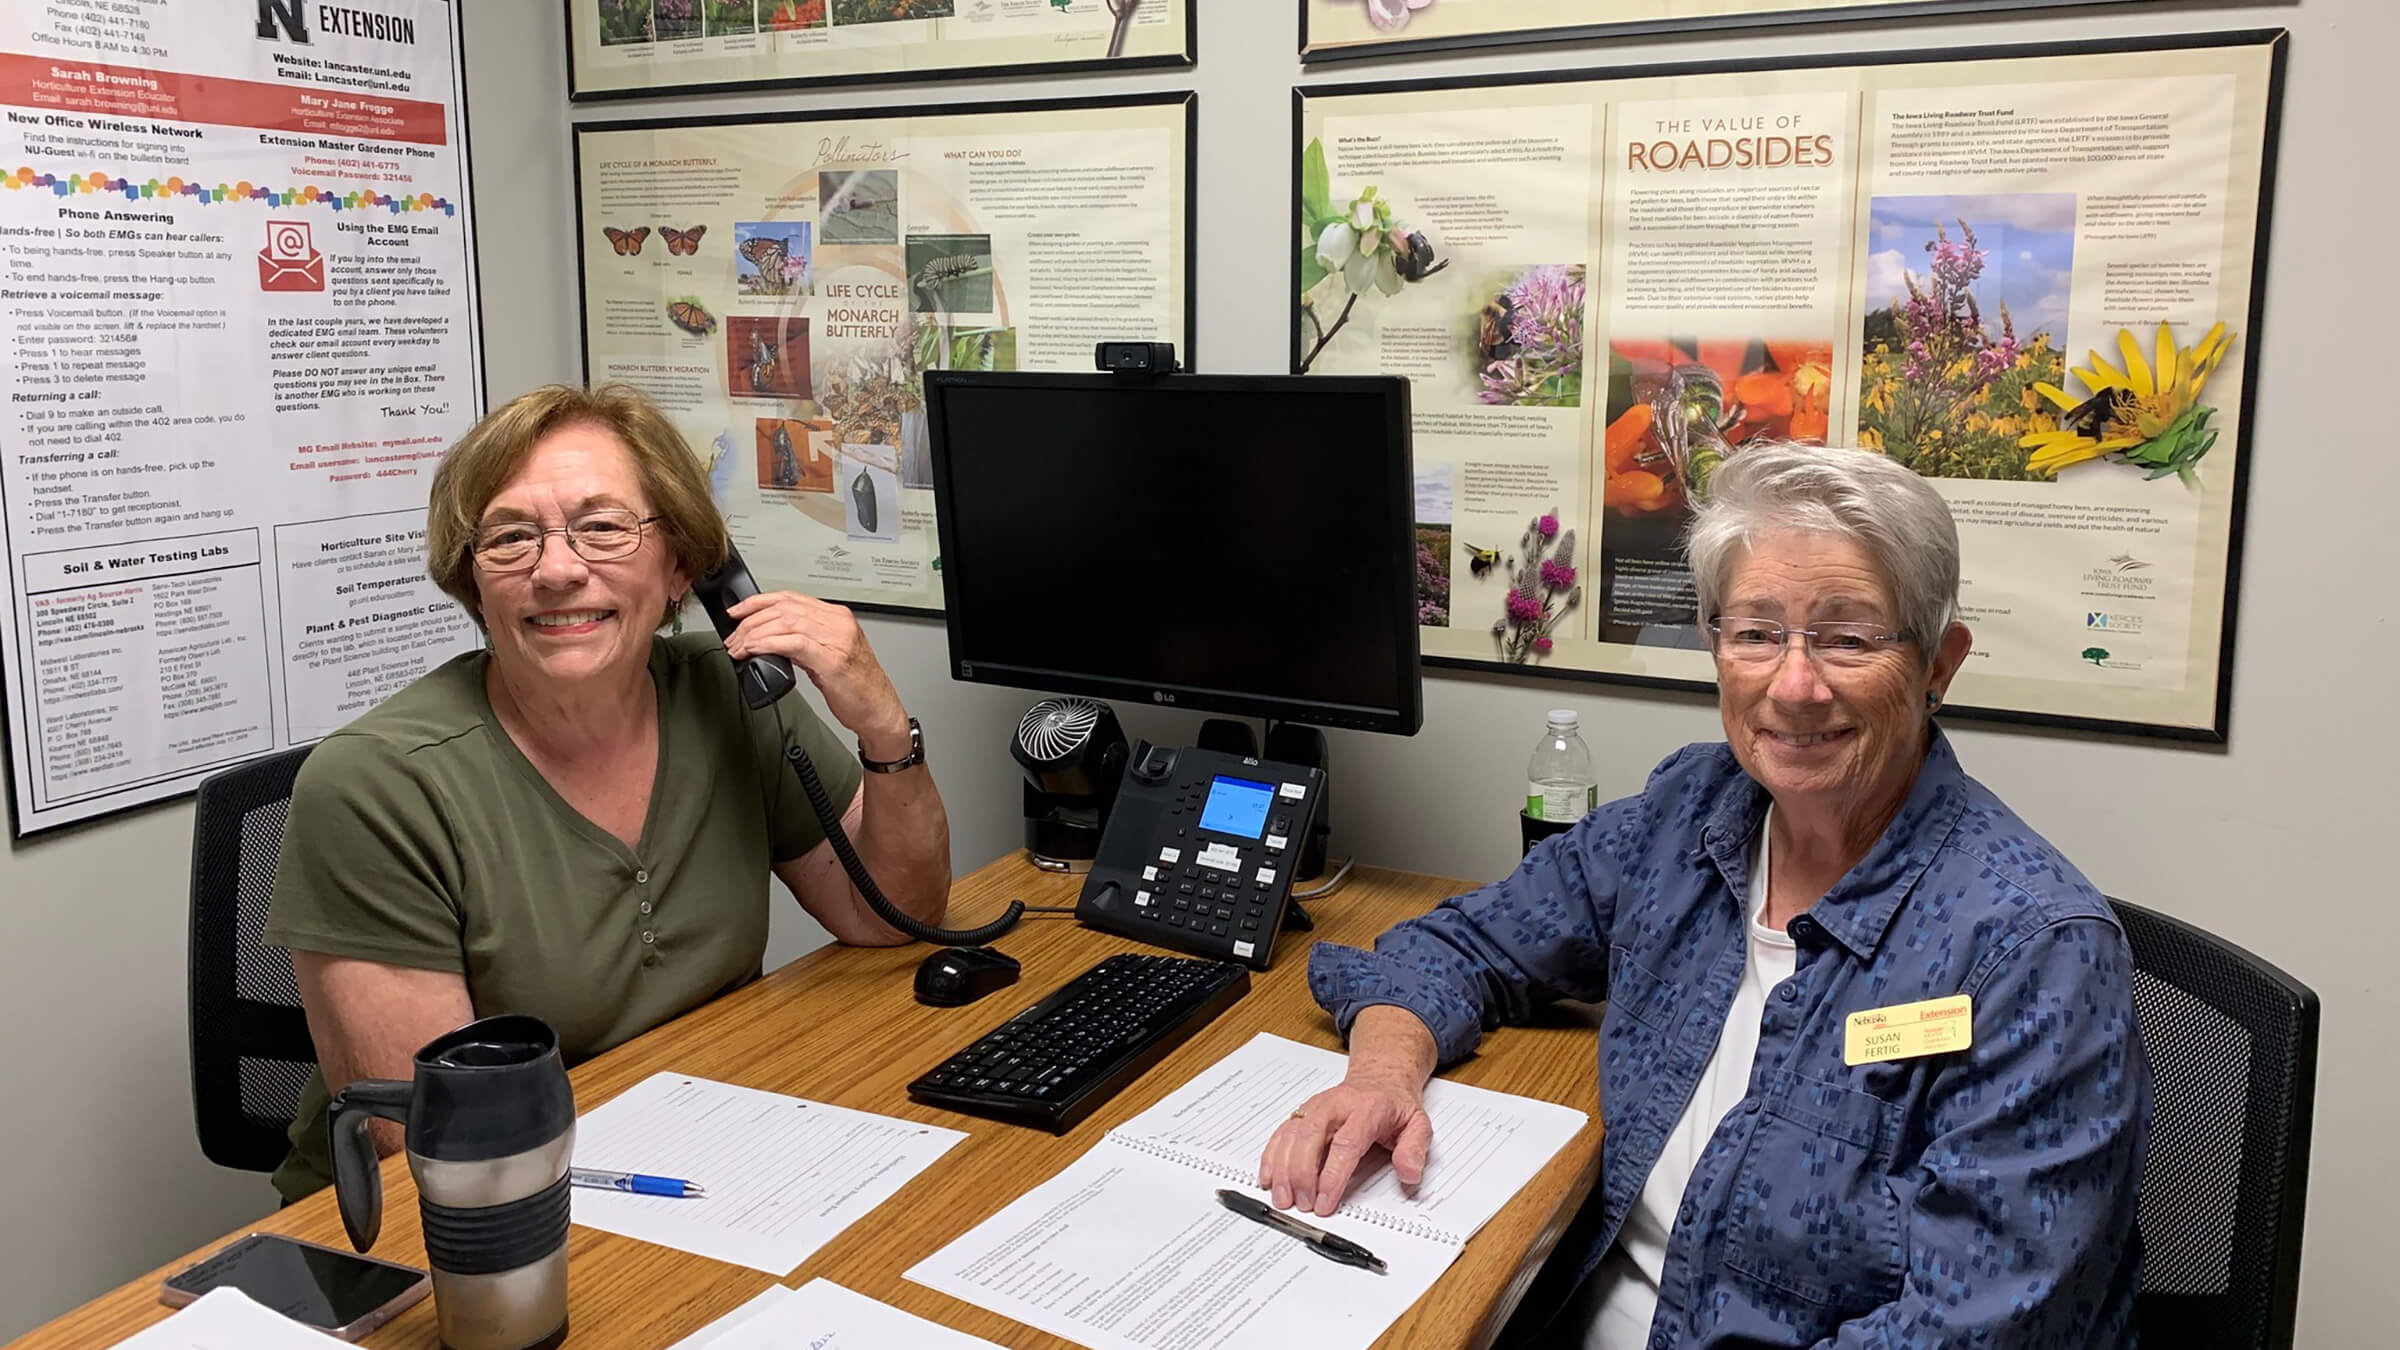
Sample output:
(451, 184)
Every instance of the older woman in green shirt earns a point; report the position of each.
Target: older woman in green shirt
(578, 822)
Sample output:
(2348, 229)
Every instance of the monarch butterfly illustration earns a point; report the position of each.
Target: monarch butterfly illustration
(691, 318)
(626, 242)
(686, 242)
(763, 356)
(768, 254)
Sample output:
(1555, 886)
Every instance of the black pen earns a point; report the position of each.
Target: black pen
(1331, 1246)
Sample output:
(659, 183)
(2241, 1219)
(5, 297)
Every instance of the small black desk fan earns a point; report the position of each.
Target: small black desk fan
(1073, 753)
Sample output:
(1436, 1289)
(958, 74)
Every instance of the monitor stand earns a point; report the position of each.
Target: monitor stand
(1227, 736)
(1287, 743)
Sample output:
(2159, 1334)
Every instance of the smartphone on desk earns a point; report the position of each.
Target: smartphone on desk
(332, 1290)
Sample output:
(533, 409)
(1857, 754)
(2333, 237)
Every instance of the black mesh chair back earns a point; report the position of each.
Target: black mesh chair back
(2233, 1053)
(251, 1054)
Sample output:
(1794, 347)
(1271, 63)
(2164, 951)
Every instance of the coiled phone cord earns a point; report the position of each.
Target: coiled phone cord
(830, 818)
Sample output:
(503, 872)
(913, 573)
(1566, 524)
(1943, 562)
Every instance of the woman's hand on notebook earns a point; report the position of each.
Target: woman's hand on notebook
(1310, 1158)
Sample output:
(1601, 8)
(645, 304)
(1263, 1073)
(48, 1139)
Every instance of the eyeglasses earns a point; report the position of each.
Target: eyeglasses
(596, 536)
(1757, 641)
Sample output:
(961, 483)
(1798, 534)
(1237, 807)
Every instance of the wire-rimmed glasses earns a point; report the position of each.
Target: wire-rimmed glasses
(1834, 642)
(596, 536)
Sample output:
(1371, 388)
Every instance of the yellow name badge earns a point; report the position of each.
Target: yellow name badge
(1905, 1031)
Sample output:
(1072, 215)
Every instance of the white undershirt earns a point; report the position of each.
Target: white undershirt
(1618, 1302)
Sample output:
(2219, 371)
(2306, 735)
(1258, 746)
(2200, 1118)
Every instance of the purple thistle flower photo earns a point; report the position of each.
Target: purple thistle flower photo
(1542, 591)
(1530, 338)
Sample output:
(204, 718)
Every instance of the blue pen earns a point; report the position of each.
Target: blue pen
(634, 1183)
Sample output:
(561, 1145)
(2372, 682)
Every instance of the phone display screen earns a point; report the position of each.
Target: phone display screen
(315, 1285)
(1236, 806)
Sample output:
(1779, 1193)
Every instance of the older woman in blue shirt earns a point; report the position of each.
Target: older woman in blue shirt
(1764, 1183)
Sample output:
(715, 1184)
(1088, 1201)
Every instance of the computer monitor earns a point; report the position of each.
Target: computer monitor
(1227, 543)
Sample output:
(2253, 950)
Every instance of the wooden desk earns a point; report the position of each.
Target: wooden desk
(840, 1025)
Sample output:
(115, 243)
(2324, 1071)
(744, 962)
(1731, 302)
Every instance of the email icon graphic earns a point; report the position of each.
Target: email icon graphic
(290, 261)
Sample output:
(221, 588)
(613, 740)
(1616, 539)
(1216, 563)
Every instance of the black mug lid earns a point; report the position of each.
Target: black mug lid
(490, 1089)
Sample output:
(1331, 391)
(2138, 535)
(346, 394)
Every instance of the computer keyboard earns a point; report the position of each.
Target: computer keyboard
(1054, 1063)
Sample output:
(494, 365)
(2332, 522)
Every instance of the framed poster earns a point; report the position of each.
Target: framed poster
(1346, 30)
(241, 331)
(628, 48)
(779, 282)
(2031, 274)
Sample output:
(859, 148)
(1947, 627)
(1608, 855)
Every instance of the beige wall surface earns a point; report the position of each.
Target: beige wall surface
(2274, 841)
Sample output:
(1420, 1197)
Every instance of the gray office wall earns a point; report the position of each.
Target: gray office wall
(2273, 842)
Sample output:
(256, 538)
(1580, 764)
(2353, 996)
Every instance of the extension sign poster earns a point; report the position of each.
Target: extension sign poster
(239, 323)
(1335, 30)
(2031, 276)
(779, 284)
(626, 47)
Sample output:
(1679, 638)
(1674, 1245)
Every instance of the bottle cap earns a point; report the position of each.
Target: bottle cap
(1562, 717)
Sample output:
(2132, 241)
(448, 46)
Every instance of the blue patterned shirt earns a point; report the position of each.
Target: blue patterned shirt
(1981, 1198)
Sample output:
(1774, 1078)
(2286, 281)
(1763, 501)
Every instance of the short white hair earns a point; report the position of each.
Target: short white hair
(1885, 508)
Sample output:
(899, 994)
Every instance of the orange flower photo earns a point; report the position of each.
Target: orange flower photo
(1678, 407)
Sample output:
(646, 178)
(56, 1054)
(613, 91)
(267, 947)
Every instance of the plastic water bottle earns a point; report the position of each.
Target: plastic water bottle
(1559, 782)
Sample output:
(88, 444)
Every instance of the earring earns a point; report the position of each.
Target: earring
(1933, 700)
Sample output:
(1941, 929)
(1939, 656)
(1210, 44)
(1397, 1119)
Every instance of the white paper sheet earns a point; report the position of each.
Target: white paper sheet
(822, 1315)
(1128, 1251)
(783, 1175)
(708, 1335)
(228, 1319)
(1486, 1144)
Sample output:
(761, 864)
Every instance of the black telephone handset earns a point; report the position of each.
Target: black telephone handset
(765, 679)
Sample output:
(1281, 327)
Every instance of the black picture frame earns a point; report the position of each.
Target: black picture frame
(2277, 40)
(1191, 55)
(1623, 28)
(1189, 100)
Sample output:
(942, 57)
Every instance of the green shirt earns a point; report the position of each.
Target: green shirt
(421, 836)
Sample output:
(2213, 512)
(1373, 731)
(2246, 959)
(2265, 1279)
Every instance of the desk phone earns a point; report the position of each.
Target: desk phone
(1199, 851)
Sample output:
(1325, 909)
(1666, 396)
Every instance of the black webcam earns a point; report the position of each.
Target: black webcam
(1135, 358)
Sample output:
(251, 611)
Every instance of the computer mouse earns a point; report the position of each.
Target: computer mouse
(956, 975)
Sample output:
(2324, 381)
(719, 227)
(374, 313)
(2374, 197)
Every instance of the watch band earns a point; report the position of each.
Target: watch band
(914, 757)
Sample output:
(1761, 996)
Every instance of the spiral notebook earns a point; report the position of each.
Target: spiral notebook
(1128, 1249)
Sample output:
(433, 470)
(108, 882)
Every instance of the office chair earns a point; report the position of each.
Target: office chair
(251, 1054)
(2233, 1053)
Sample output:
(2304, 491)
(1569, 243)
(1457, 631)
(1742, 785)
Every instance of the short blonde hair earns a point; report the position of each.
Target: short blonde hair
(491, 453)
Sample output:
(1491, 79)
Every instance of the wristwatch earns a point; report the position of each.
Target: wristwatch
(914, 757)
